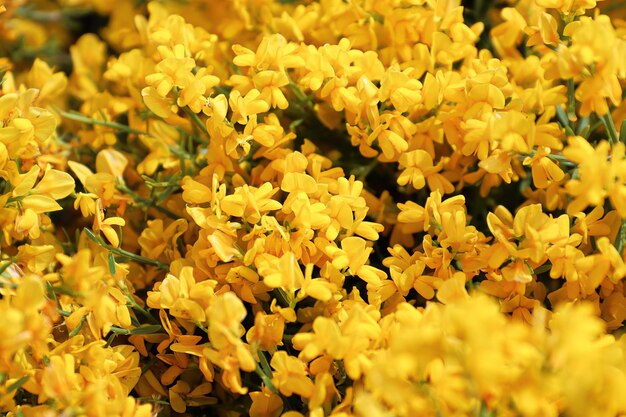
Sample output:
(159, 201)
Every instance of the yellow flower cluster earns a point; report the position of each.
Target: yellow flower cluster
(312, 208)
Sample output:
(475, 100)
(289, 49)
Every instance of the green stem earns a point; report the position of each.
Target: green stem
(82, 321)
(202, 327)
(363, 171)
(53, 297)
(562, 116)
(66, 291)
(146, 202)
(266, 379)
(18, 384)
(124, 253)
(484, 410)
(562, 160)
(621, 238)
(583, 123)
(148, 364)
(622, 132)
(142, 310)
(265, 364)
(6, 265)
(119, 126)
(300, 95)
(87, 120)
(571, 100)
(587, 131)
(149, 329)
(283, 298)
(137, 258)
(198, 122)
(119, 330)
(607, 119)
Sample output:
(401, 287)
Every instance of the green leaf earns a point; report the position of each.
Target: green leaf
(18, 384)
(622, 132)
(607, 119)
(110, 339)
(84, 119)
(293, 125)
(583, 123)
(80, 326)
(63, 312)
(6, 266)
(111, 263)
(66, 291)
(91, 236)
(148, 329)
(562, 116)
(620, 240)
(119, 330)
(484, 411)
(543, 268)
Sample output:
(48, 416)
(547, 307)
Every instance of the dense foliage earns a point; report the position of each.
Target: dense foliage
(312, 208)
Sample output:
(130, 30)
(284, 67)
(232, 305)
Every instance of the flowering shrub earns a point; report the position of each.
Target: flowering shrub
(312, 208)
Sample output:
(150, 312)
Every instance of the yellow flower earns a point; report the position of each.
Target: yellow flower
(243, 107)
(599, 175)
(250, 203)
(274, 52)
(195, 192)
(111, 161)
(194, 90)
(275, 160)
(419, 169)
(55, 184)
(569, 6)
(403, 91)
(227, 349)
(265, 404)
(102, 184)
(544, 170)
(28, 128)
(59, 380)
(173, 70)
(100, 224)
(156, 240)
(307, 215)
(283, 272)
(591, 58)
(353, 255)
(86, 202)
(182, 395)
(453, 289)
(36, 257)
(267, 331)
(290, 375)
(50, 84)
(295, 178)
(27, 223)
(183, 296)
(269, 83)
(157, 104)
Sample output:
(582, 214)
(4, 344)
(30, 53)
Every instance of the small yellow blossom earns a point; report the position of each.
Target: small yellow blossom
(106, 225)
